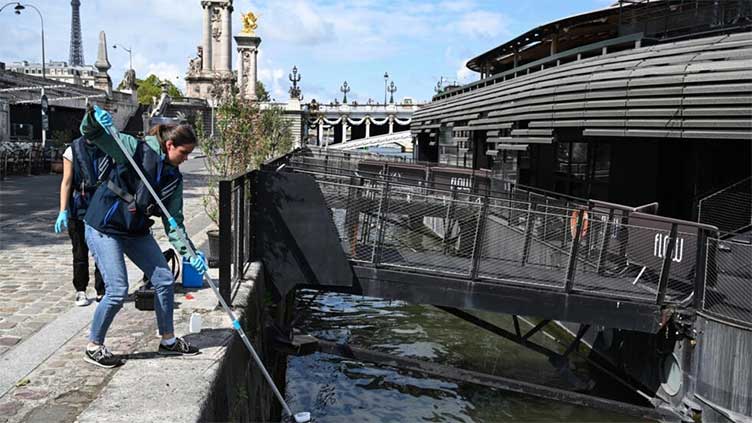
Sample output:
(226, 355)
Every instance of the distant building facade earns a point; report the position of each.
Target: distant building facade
(57, 71)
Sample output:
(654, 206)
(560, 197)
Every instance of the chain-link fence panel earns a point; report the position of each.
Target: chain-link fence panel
(729, 209)
(507, 247)
(353, 212)
(638, 278)
(432, 231)
(728, 283)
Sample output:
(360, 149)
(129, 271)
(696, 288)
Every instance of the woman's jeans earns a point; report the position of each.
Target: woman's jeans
(109, 251)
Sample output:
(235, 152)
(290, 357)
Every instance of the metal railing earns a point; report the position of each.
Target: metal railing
(729, 281)
(597, 251)
(515, 236)
(730, 209)
(235, 231)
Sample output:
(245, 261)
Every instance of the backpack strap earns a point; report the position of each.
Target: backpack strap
(91, 169)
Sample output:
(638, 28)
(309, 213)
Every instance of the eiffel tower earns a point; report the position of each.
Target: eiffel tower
(76, 45)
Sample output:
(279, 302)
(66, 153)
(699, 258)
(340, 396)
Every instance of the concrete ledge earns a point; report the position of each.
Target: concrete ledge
(150, 387)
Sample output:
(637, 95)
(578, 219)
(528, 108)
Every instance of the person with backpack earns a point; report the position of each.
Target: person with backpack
(118, 224)
(84, 168)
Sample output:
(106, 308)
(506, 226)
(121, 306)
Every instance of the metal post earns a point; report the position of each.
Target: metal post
(386, 78)
(604, 243)
(225, 238)
(701, 270)
(253, 195)
(573, 253)
(528, 233)
(666, 267)
(381, 221)
(44, 131)
(240, 227)
(449, 219)
(478, 245)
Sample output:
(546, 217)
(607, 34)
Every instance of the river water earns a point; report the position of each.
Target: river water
(336, 389)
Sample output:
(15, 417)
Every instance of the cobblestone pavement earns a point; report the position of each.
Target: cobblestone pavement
(60, 388)
(36, 270)
(36, 287)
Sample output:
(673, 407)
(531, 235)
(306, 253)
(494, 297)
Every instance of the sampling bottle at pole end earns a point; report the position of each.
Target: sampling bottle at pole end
(302, 417)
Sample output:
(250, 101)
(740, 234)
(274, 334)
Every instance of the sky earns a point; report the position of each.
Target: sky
(415, 42)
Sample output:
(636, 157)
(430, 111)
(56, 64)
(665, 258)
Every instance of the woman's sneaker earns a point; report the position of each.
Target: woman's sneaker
(81, 299)
(102, 357)
(180, 347)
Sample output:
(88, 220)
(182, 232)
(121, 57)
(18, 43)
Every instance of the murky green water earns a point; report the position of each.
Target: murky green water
(336, 389)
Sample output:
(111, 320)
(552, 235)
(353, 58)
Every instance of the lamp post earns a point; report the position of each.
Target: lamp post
(130, 56)
(19, 7)
(386, 78)
(392, 90)
(345, 88)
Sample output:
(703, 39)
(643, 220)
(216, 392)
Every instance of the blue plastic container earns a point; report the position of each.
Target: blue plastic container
(191, 278)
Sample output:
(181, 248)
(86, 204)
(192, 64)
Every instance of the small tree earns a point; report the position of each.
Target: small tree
(275, 132)
(261, 93)
(245, 137)
(152, 87)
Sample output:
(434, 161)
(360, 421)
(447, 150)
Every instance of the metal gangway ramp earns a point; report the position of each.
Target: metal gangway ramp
(456, 237)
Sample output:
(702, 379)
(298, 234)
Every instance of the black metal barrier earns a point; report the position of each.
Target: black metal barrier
(235, 231)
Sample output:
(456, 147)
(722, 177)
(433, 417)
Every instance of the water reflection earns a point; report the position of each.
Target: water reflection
(336, 389)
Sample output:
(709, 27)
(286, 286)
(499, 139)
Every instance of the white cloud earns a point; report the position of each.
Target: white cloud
(299, 22)
(483, 24)
(167, 71)
(273, 79)
(464, 74)
(457, 5)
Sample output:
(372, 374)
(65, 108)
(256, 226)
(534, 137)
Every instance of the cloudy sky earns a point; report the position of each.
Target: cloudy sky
(416, 42)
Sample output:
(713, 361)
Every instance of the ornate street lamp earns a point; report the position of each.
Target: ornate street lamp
(392, 90)
(294, 77)
(345, 89)
(19, 7)
(130, 57)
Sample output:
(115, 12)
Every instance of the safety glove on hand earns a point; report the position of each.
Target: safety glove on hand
(102, 116)
(198, 263)
(62, 220)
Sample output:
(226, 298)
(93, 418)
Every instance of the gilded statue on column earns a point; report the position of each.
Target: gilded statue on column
(249, 23)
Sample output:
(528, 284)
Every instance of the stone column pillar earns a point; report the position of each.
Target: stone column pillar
(206, 60)
(368, 127)
(344, 129)
(247, 71)
(391, 124)
(320, 133)
(225, 43)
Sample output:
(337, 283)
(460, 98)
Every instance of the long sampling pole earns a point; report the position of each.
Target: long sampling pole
(301, 417)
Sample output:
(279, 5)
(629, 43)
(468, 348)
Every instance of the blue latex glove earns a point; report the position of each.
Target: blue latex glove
(62, 220)
(102, 116)
(198, 263)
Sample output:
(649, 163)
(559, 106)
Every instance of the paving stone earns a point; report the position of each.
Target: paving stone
(9, 408)
(52, 413)
(9, 340)
(29, 394)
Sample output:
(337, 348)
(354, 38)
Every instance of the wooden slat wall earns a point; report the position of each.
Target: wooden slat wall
(700, 88)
